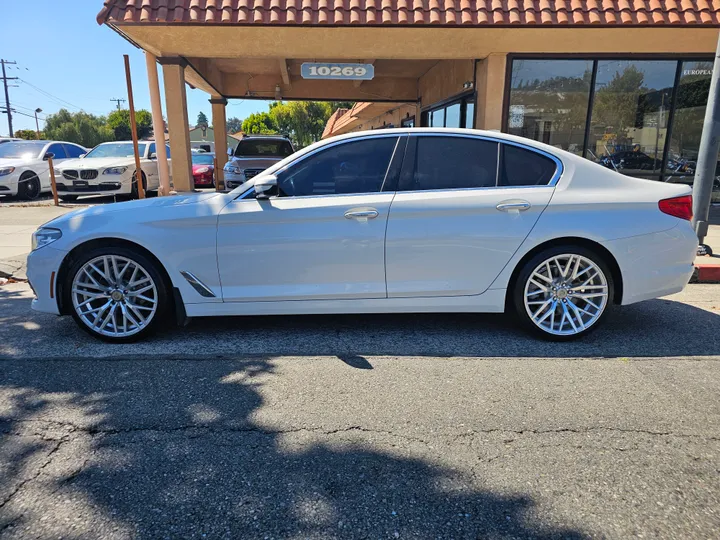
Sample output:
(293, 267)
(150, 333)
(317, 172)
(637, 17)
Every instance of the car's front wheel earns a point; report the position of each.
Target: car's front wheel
(116, 294)
(563, 292)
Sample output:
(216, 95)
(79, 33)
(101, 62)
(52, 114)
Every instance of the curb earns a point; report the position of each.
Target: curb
(706, 273)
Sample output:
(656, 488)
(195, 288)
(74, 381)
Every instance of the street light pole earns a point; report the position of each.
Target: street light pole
(37, 124)
(707, 157)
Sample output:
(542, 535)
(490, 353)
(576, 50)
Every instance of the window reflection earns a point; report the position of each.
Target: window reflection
(549, 100)
(691, 100)
(629, 115)
(452, 116)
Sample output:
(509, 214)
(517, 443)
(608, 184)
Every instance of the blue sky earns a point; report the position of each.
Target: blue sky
(77, 64)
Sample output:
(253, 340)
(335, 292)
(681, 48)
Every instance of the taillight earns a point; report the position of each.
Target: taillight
(680, 207)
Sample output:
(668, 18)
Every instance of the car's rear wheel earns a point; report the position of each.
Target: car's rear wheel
(29, 187)
(563, 292)
(116, 294)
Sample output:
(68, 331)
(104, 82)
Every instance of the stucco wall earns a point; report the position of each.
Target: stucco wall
(444, 80)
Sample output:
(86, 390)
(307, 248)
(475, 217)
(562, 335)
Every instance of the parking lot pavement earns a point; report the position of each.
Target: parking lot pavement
(423, 426)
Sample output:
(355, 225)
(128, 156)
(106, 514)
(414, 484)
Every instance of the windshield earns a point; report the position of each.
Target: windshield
(22, 150)
(117, 150)
(202, 159)
(264, 148)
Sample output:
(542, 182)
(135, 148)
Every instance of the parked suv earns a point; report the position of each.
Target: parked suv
(253, 155)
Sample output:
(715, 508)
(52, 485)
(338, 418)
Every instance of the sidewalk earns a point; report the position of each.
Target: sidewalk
(17, 223)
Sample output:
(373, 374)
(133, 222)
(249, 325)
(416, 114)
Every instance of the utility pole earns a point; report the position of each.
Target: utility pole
(707, 158)
(5, 79)
(118, 100)
(37, 124)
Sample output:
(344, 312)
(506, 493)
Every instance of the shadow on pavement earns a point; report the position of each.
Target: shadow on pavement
(175, 453)
(657, 328)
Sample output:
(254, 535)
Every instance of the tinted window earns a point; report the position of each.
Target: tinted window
(353, 167)
(58, 151)
(452, 163)
(520, 167)
(264, 148)
(74, 151)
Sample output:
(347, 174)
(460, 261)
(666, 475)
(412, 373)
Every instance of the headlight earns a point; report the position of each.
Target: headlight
(6, 170)
(202, 170)
(232, 169)
(57, 172)
(115, 170)
(43, 237)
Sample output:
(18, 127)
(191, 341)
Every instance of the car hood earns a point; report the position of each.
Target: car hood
(96, 163)
(254, 162)
(73, 220)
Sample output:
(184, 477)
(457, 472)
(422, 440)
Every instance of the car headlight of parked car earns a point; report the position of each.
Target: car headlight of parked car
(6, 170)
(232, 169)
(44, 236)
(115, 170)
(57, 172)
(202, 170)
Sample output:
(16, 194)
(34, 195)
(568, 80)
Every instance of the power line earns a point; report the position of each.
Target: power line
(51, 96)
(118, 100)
(5, 79)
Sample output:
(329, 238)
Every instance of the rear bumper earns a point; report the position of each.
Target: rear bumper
(657, 264)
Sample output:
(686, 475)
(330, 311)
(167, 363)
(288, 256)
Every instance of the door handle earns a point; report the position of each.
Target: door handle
(362, 214)
(513, 206)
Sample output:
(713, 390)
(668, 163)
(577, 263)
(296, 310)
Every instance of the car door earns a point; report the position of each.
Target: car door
(464, 206)
(59, 155)
(150, 167)
(322, 236)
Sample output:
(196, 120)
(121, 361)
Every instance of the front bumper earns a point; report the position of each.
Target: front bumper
(233, 180)
(9, 184)
(67, 188)
(42, 271)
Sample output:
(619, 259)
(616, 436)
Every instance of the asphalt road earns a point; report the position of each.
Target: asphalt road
(417, 426)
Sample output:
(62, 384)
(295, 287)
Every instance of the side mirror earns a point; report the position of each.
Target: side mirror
(153, 155)
(265, 186)
(49, 155)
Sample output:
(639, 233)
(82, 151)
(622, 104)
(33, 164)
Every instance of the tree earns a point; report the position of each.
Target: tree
(259, 123)
(303, 121)
(233, 125)
(202, 120)
(81, 128)
(28, 134)
(119, 122)
(616, 104)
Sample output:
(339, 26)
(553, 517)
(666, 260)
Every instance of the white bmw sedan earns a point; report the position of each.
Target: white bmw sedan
(392, 221)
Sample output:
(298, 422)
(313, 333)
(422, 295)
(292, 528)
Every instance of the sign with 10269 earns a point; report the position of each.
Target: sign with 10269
(349, 72)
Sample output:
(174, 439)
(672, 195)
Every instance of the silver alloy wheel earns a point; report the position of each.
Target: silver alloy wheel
(114, 296)
(566, 294)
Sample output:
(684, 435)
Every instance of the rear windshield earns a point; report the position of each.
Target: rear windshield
(264, 148)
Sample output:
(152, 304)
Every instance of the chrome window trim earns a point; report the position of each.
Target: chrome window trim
(559, 167)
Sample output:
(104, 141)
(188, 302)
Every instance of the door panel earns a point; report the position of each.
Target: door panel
(303, 248)
(456, 242)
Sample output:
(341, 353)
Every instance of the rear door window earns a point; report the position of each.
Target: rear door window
(442, 162)
(522, 167)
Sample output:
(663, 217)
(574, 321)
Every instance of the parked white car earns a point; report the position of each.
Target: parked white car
(24, 168)
(398, 220)
(109, 169)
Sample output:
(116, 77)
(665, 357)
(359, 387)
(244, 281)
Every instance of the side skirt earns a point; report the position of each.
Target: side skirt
(492, 301)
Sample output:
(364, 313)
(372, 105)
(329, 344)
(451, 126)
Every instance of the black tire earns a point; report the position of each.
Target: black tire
(68, 198)
(518, 289)
(164, 295)
(29, 187)
(134, 190)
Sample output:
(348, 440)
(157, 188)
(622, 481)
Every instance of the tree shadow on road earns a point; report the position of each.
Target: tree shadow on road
(161, 449)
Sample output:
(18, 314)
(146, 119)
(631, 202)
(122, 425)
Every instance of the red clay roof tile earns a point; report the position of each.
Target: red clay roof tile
(413, 12)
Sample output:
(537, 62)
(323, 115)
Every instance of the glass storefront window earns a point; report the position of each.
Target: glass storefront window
(456, 114)
(690, 101)
(630, 113)
(469, 113)
(437, 118)
(452, 116)
(549, 101)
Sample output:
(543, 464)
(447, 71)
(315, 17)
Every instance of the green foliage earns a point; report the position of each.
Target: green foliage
(233, 125)
(303, 121)
(202, 119)
(28, 134)
(82, 128)
(616, 104)
(119, 122)
(259, 124)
